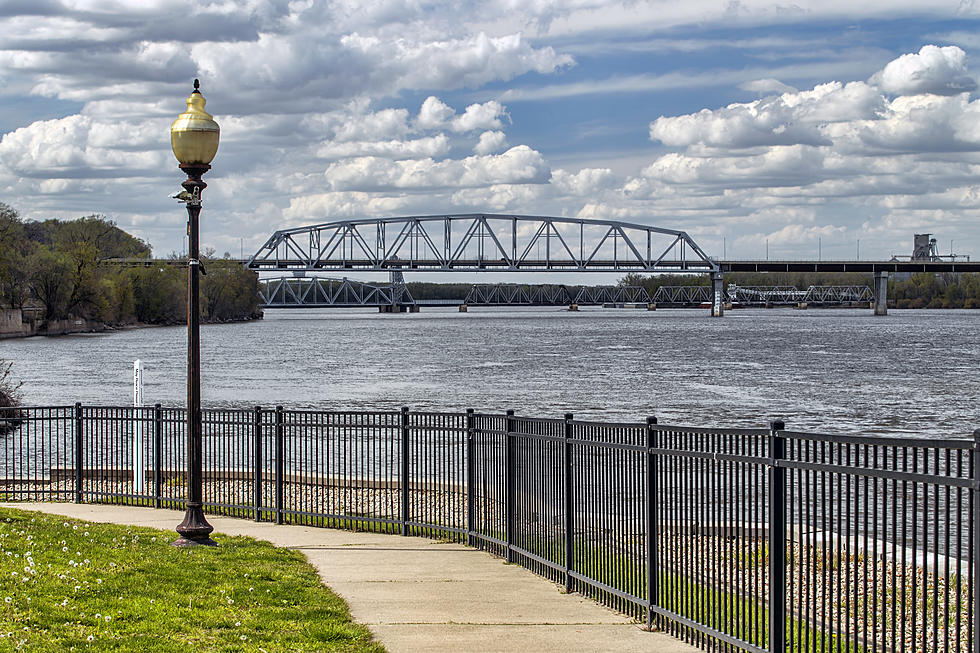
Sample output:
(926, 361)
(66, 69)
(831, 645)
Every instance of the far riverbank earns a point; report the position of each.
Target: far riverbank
(15, 323)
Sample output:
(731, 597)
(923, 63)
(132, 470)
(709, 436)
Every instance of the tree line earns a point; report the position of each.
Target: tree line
(922, 290)
(54, 267)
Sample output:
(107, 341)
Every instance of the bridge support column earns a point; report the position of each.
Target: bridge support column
(413, 308)
(717, 294)
(651, 306)
(462, 308)
(881, 293)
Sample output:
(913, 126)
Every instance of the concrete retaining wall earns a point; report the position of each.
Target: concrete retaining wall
(12, 322)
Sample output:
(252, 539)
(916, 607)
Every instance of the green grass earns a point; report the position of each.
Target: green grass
(71, 585)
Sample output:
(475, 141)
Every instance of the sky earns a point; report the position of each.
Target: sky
(803, 128)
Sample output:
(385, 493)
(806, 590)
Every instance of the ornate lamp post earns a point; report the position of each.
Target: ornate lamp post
(194, 137)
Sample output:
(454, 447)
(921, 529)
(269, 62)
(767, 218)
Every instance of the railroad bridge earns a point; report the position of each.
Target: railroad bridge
(525, 244)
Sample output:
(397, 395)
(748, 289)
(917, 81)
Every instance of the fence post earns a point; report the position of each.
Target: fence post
(975, 553)
(470, 473)
(653, 527)
(777, 539)
(79, 453)
(569, 506)
(405, 470)
(511, 479)
(157, 456)
(280, 461)
(257, 462)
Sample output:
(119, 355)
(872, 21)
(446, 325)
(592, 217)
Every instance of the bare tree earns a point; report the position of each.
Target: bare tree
(10, 416)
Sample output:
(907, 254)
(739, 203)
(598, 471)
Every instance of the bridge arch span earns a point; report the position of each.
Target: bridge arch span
(481, 242)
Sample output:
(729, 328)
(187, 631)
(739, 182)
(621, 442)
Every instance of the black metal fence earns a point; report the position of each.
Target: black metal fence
(732, 539)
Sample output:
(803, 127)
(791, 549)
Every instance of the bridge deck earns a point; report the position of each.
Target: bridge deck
(597, 266)
(848, 266)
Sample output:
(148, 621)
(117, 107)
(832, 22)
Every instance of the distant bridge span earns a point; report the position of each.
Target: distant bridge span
(481, 242)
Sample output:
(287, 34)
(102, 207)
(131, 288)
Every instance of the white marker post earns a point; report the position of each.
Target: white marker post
(138, 470)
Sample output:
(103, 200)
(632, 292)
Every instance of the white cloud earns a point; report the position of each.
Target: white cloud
(791, 118)
(432, 146)
(516, 198)
(490, 142)
(518, 165)
(480, 116)
(932, 70)
(767, 86)
(307, 209)
(434, 113)
(801, 234)
(584, 183)
(395, 64)
(82, 146)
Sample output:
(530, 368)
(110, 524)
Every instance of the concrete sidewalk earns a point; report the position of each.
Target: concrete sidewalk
(417, 594)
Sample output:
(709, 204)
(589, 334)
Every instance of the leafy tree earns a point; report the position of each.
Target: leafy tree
(13, 248)
(158, 295)
(49, 274)
(228, 291)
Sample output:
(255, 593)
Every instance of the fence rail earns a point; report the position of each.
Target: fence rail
(732, 539)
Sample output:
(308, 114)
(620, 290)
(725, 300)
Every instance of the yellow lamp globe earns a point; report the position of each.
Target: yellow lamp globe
(194, 135)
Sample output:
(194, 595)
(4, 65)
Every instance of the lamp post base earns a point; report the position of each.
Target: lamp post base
(194, 530)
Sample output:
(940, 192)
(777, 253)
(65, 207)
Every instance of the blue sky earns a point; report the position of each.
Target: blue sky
(740, 122)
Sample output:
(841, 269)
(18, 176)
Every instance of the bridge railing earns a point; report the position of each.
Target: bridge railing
(737, 539)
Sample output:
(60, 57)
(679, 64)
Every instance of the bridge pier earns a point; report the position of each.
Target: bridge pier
(717, 294)
(463, 308)
(881, 293)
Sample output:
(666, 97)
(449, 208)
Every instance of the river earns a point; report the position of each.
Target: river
(835, 371)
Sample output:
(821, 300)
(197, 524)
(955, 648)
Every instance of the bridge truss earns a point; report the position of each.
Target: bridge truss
(553, 295)
(762, 295)
(682, 295)
(481, 242)
(319, 292)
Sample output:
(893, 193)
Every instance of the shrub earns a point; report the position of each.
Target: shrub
(10, 416)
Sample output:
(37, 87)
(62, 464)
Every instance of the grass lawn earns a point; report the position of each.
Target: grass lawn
(70, 585)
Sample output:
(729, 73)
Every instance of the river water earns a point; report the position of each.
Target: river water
(835, 371)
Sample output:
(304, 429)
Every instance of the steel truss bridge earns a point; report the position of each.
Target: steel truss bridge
(682, 295)
(481, 242)
(319, 292)
(517, 243)
(553, 295)
(764, 295)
